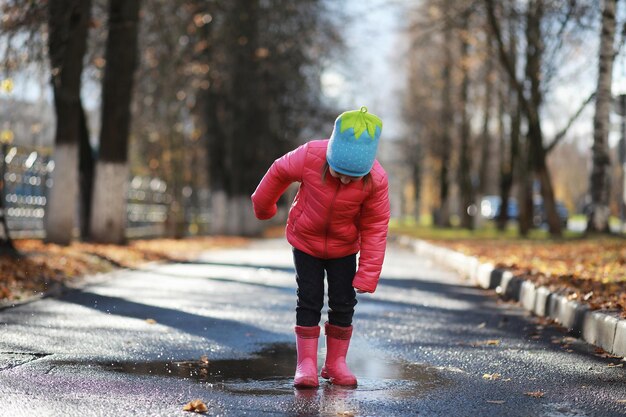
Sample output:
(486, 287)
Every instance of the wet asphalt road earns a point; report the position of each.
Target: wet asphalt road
(144, 343)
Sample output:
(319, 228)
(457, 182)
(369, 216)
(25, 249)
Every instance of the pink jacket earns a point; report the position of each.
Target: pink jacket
(328, 219)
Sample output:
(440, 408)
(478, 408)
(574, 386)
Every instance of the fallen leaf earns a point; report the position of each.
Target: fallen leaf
(346, 414)
(621, 401)
(490, 342)
(196, 406)
(601, 353)
(495, 401)
(615, 365)
(492, 377)
(535, 394)
(151, 321)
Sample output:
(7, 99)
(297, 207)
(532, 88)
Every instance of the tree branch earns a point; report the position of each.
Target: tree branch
(505, 59)
(559, 136)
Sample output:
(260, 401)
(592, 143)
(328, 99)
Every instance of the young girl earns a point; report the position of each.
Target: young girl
(341, 208)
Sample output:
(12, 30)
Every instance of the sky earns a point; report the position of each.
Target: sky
(373, 75)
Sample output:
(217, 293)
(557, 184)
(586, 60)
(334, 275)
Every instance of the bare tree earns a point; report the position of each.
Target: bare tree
(67, 41)
(531, 102)
(511, 165)
(466, 186)
(485, 137)
(265, 61)
(598, 215)
(447, 113)
(108, 218)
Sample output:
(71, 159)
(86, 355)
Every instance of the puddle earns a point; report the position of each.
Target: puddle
(270, 372)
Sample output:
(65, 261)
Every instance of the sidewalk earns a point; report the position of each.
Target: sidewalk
(602, 328)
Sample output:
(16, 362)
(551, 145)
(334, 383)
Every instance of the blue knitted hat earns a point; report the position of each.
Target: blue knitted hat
(353, 144)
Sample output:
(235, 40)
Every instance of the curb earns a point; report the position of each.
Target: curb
(601, 328)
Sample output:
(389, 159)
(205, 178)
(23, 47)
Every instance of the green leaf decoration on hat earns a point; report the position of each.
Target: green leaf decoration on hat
(360, 121)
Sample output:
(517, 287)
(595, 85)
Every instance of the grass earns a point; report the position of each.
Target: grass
(488, 231)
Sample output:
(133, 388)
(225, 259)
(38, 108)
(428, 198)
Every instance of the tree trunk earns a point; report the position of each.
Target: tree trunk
(485, 146)
(465, 179)
(508, 163)
(598, 215)
(67, 41)
(238, 132)
(509, 168)
(442, 218)
(531, 109)
(7, 248)
(86, 167)
(537, 153)
(108, 220)
(525, 193)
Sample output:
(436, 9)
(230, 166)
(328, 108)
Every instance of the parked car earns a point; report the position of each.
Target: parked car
(540, 217)
(491, 205)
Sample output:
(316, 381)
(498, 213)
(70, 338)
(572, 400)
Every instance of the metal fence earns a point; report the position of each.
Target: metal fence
(27, 181)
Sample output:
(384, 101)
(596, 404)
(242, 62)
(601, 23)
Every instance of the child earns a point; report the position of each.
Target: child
(341, 208)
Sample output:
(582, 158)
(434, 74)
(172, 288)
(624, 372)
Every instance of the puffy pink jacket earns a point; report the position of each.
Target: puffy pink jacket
(327, 218)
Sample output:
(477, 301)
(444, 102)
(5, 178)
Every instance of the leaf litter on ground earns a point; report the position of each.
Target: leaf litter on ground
(591, 271)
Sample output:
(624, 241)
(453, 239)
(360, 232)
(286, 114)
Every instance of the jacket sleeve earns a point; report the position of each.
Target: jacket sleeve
(374, 226)
(284, 171)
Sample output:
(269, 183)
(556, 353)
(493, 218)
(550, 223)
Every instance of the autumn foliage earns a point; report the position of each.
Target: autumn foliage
(591, 271)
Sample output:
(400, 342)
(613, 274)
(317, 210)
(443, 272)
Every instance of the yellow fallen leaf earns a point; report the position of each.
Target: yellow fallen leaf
(535, 394)
(6, 86)
(495, 401)
(490, 342)
(151, 321)
(492, 377)
(196, 406)
(621, 401)
(346, 414)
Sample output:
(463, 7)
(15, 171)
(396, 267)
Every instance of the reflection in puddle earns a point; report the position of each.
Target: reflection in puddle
(270, 372)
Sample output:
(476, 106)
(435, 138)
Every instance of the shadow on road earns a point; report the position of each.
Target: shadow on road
(226, 332)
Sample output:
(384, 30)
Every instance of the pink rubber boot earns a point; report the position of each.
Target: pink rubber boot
(337, 343)
(306, 368)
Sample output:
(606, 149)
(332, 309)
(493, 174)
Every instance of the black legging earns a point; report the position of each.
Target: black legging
(310, 279)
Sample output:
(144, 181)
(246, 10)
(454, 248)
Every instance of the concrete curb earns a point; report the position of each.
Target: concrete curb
(600, 328)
